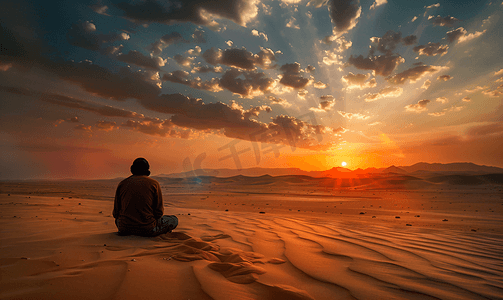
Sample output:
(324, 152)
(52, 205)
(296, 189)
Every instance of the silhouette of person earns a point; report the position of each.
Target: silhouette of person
(138, 207)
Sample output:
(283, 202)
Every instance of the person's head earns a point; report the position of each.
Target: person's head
(140, 166)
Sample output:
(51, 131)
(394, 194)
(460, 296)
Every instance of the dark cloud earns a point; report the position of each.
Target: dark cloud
(195, 11)
(381, 65)
(253, 84)
(444, 77)
(198, 36)
(418, 107)
(412, 74)
(100, 9)
(240, 58)
(292, 76)
(409, 40)
(206, 69)
(137, 58)
(431, 49)
(359, 81)
(234, 121)
(443, 21)
(165, 41)
(280, 101)
(326, 103)
(184, 61)
(102, 110)
(83, 128)
(484, 130)
(105, 125)
(183, 77)
(344, 15)
(163, 128)
(389, 41)
(84, 35)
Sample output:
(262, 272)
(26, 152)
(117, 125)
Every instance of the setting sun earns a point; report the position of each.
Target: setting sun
(344, 164)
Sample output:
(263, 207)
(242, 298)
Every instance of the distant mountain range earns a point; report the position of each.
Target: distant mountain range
(420, 170)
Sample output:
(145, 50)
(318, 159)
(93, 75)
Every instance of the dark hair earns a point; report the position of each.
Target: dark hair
(140, 166)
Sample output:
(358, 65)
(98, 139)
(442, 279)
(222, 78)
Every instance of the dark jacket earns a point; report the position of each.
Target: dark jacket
(138, 203)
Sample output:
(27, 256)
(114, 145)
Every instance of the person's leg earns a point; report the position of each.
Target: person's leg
(119, 232)
(165, 224)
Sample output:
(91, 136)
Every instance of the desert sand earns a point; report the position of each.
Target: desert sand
(273, 240)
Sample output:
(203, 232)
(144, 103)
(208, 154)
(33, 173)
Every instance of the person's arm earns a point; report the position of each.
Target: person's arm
(117, 204)
(158, 205)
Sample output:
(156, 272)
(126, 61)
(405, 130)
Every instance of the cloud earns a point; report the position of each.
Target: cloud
(254, 83)
(342, 44)
(419, 107)
(166, 41)
(184, 61)
(426, 84)
(437, 114)
(413, 74)
(389, 91)
(444, 77)
(326, 103)
(206, 69)
(70, 120)
(356, 116)
(163, 128)
(199, 12)
(137, 58)
(389, 41)
(100, 9)
(83, 128)
(292, 76)
(257, 33)
(99, 109)
(443, 100)
(358, 81)
(380, 65)
(494, 93)
(497, 73)
(443, 21)
(311, 69)
(240, 58)
(320, 85)
(484, 130)
(461, 35)
(332, 58)
(446, 110)
(183, 77)
(198, 36)
(302, 94)
(229, 43)
(475, 89)
(466, 99)
(431, 49)
(101, 81)
(235, 122)
(280, 101)
(291, 23)
(84, 35)
(378, 3)
(105, 125)
(344, 15)
(414, 18)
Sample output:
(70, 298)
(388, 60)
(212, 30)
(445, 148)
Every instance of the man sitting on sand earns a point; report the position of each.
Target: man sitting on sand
(138, 207)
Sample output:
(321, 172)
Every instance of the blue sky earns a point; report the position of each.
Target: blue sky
(372, 83)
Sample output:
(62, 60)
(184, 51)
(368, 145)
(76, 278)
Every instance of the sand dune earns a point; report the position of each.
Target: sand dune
(280, 243)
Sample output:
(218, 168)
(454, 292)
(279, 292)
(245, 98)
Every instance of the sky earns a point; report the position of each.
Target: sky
(88, 86)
